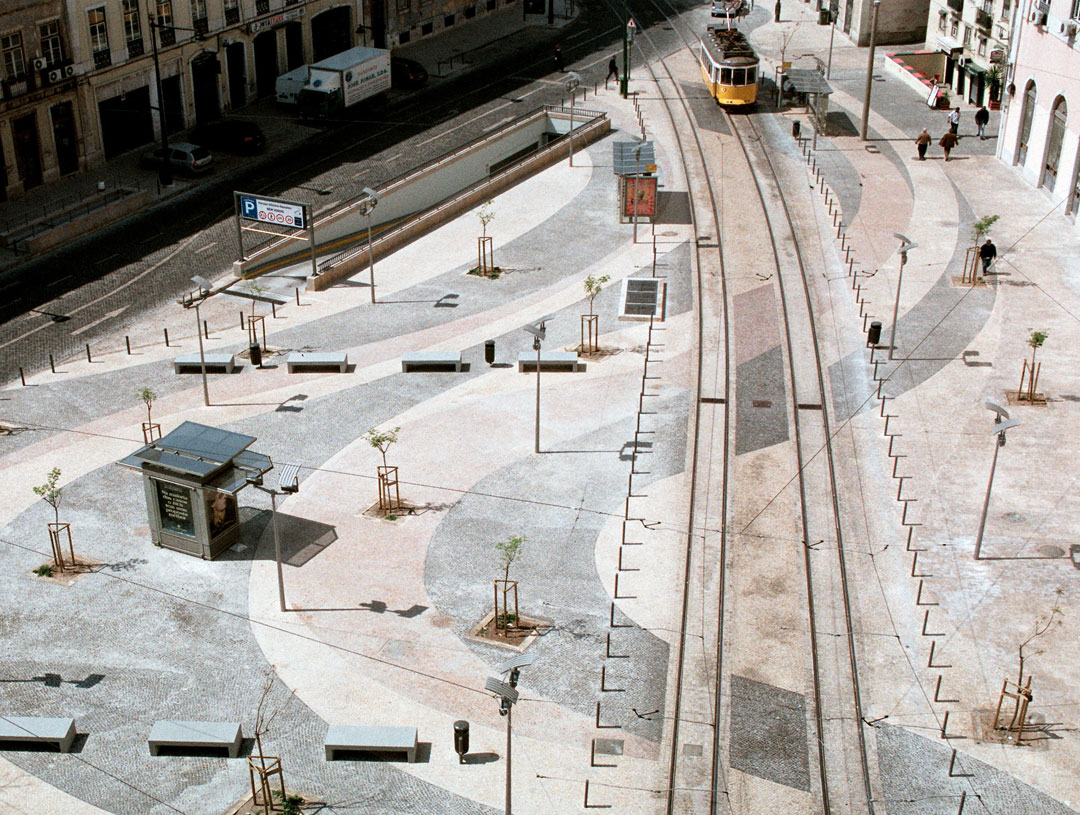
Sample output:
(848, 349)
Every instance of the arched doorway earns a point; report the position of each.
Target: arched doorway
(235, 58)
(294, 46)
(205, 70)
(1074, 190)
(1026, 112)
(331, 33)
(266, 63)
(1058, 116)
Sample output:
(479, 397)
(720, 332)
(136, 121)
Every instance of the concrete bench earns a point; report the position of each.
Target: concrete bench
(430, 359)
(224, 362)
(549, 361)
(310, 359)
(37, 730)
(371, 740)
(202, 735)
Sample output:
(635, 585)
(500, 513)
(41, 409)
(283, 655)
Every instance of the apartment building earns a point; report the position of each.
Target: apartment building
(1042, 85)
(973, 38)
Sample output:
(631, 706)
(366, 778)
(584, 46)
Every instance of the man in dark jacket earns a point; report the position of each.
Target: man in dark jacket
(982, 119)
(987, 253)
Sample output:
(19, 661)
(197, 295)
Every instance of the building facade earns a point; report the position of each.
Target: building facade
(1042, 86)
(973, 38)
(39, 109)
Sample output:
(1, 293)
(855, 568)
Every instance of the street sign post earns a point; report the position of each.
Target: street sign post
(280, 212)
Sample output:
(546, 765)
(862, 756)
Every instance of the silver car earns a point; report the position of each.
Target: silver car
(182, 156)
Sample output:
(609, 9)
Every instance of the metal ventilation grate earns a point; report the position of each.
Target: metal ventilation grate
(642, 298)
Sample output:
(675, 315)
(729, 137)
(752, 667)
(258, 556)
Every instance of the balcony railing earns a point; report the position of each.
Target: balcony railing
(262, 6)
(201, 26)
(168, 36)
(232, 16)
(983, 19)
(956, 5)
(103, 58)
(135, 48)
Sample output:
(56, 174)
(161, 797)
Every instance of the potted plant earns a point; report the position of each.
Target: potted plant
(993, 78)
(944, 102)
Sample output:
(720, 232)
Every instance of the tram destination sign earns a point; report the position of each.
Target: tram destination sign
(272, 211)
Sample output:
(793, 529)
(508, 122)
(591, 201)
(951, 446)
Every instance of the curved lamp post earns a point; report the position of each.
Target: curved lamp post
(1002, 422)
(506, 693)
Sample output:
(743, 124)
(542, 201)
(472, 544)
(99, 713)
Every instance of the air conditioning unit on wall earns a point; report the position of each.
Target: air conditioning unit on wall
(40, 64)
(1069, 30)
(60, 74)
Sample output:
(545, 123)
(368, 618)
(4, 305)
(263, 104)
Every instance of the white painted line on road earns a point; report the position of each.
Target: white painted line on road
(496, 124)
(205, 248)
(97, 322)
(59, 281)
(395, 156)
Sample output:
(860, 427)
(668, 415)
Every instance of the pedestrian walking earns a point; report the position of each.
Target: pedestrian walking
(954, 120)
(922, 141)
(982, 119)
(948, 142)
(612, 71)
(558, 59)
(987, 253)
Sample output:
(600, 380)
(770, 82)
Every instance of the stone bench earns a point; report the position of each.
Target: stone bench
(37, 730)
(371, 740)
(202, 735)
(417, 360)
(223, 362)
(549, 361)
(310, 359)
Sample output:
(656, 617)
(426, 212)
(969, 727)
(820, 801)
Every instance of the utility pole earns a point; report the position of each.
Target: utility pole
(869, 71)
(624, 80)
(165, 170)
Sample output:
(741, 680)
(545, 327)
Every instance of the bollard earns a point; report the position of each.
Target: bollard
(461, 739)
(88, 353)
(205, 329)
(127, 342)
(241, 321)
(52, 365)
(273, 311)
(873, 336)
(166, 337)
(22, 376)
(297, 290)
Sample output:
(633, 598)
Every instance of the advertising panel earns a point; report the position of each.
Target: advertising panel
(640, 197)
(221, 512)
(366, 80)
(174, 506)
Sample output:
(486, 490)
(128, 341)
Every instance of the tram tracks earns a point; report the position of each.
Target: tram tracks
(772, 535)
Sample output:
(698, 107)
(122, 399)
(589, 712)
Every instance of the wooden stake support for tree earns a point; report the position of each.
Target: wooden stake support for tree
(57, 532)
(1030, 374)
(1021, 695)
(485, 255)
(503, 589)
(151, 432)
(254, 323)
(970, 275)
(262, 793)
(590, 333)
(389, 494)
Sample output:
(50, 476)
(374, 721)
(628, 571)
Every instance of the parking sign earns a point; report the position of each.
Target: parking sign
(272, 211)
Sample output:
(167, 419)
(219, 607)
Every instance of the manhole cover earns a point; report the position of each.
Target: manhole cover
(692, 750)
(1014, 517)
(1049, 550)
(668, 234)
(609, 747)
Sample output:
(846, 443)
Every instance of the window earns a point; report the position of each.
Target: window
(1075, 12)
(99, 35)
(738, 76)
(52, 47)
(751, 76)
(954, 28)
(164, 12)
(132, 25)
(967, 36)
(198, 16)
(232, 12)
(403, 6)
(725, 76)
(982, 46)
(1025, 123)
(1006, 7)
(14, 61)
(1053, 148)
(942, 21)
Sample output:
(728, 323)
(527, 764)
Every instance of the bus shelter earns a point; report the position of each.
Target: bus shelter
(191, 478)
(812, 90)
(635, 166)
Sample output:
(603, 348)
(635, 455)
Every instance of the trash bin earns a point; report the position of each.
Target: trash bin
(796, 129)
(256, 354)
(873, 336)
(461, 736)
(489, 351)
(823, 17)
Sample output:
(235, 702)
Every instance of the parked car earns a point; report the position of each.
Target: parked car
(182, 156)
(230, 135)
(407, 73)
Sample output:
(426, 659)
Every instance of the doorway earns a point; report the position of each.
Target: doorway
(235, 58)
(266, 63)
(294, 45)
(126, 121)
(64, 138)
(205, 70)
(27, 153)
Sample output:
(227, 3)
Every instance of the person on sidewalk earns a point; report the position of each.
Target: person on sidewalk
(558, 59)
(982, 119)
(987, 253)
(612, 71)
(954, 121)
(948, 142)
(922, 141)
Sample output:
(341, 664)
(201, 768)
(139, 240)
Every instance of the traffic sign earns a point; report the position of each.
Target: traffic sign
(271, 211)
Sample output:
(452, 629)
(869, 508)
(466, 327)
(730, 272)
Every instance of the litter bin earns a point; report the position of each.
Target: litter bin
(461, 737)
(796, 129)
(873, 336)
(256, 354)
(489, 351)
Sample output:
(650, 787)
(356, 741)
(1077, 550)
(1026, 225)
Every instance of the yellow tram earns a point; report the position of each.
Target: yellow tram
(729, 66)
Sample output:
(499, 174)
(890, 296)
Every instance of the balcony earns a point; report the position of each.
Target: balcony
(262, 6)
(135, 48)
(232, 16)
(956, 5)
(168, 36)
(201, 26)
(103, 58)
(983, 19)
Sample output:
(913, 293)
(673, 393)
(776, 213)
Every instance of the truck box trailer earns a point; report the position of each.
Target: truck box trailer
(343, 80)
(288, 86)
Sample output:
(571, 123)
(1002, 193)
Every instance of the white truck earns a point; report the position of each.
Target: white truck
(341, 81)
(288, 85)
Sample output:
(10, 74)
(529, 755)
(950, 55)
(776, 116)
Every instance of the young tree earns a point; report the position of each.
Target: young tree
(148, 397)
(50, 493)
(381, 440)
(593, 286)
(1039, 628)
(256, 287)
(510, 550)
(1036, 341)
(486, 215)
(485, 256)
(981, 228)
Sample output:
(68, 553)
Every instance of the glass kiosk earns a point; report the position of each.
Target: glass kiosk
(191, 477)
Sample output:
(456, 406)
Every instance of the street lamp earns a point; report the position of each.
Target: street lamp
(194, 301)
(832, 33)
(507, 694)
(165, 175)
(573, 80)
(288, 483)
(869, 71)
(905, 245)
(1002, 422)
(367, 206)
(539, 331)
(628, 33)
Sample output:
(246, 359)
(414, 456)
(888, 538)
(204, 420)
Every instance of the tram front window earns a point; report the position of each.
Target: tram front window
(725, 76)
(738, 76)
(751, 76)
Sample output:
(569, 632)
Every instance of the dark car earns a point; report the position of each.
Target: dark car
(188, 158)
(407, 73)
(230, 135)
